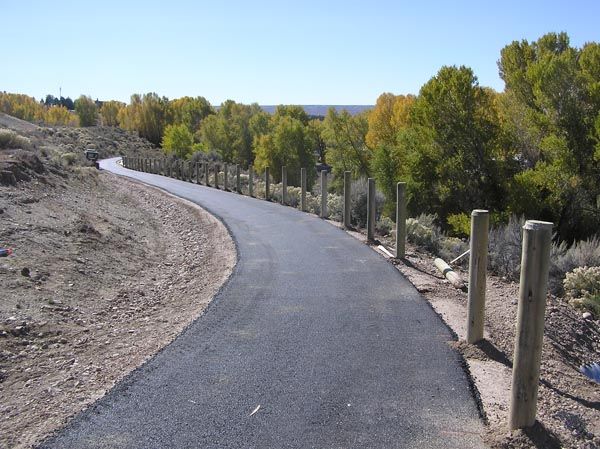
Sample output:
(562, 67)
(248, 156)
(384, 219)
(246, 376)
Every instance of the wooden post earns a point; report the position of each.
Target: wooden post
(371, 210)
(283, 185)
(324, 212)
(216, 176)
(535, 262)
(250, 181)
(303, 189)
(400, 220)
(347, 192)
(477, 274)
(198, 173)
(206, 173)
(267, 184)
(225, 180)
(238, 179)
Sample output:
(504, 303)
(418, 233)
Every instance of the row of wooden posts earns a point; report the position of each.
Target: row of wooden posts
(187, 171)
(535, 258)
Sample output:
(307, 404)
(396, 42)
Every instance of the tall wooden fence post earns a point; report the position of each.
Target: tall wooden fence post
(283, 185)
(225, 177)
(197, 173)
(324, 211)
(371, 210)
(400, 220)
(303, 189)
(250, 181)
(347, 193)
(238, 179)
(535, 263)
(206, 173)
(267, 184)
(216, 176)
(477, 274)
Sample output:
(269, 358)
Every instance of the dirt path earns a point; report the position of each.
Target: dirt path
(105, 273)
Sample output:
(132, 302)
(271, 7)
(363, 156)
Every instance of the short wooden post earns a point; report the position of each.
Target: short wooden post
(206, 173)
(250, 181)
(371, 210)
(283, 185)
(324, 211)
(238, 179)
(477, 274)
(216, 176)
(267, 184)
(197, 173)
(347, 192)
(303, 189)
(400, 220)
(225, 177)
(535, 262)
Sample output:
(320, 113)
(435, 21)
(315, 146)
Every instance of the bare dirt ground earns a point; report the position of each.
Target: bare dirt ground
(569, 403)
(105, 273)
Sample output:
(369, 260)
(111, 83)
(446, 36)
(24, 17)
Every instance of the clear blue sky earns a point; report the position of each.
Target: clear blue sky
(270, 52)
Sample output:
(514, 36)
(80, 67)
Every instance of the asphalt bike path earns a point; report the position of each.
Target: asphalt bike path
(316, 341)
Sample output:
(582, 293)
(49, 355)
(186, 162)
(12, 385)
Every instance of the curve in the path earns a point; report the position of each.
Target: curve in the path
(336, 347)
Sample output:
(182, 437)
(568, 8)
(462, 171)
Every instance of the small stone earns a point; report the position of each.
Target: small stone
(586, 315)
(25, 272)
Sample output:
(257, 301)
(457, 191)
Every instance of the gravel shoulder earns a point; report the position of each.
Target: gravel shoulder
(105, 272)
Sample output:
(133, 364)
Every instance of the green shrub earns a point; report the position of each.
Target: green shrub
(313, 203)
(460, 224)
(582, 288)
(10, 139)
(505, 242)
(384, 226)
(422, 231)
(68, 158)
(358, 202)
(335, 206)
(450, 248)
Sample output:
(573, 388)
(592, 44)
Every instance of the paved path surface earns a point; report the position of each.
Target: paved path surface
(336, 347)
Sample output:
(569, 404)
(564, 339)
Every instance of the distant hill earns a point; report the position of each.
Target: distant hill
(321, 109)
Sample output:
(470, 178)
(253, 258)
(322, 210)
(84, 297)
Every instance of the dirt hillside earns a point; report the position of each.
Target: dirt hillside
(104, 273)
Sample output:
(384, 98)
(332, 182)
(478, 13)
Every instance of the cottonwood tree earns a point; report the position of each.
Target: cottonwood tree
(178, 140)
(553, 111)
(86, 110)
